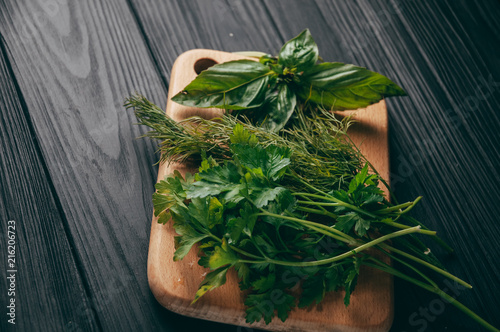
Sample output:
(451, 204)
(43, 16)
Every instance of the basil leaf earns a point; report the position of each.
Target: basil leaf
(341, 86)
(232, 85)
(280, 106)
(300, 52)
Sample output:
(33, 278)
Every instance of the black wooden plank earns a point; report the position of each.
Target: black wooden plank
(442, 148)
(75, 63)
(173, 27)
(48, 292)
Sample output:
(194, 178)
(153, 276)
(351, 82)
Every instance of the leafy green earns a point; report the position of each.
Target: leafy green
(299, 53)
(341, 86)
(271, 89)
(223, 255)
(216, 180)
(187, 237)
(264, 306)
(282, 102)
(212, 280)
(233, 85)
(242, 213)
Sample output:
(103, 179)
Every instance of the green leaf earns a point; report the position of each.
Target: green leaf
(340, 86)
(264, 283)
(243, 274)
(207, 163)
(266, 304)
(215, 180)
(373, 198)
(232, 85)
(284, 202)
(268, 59)
(261, 198)
(300, 52)
(279, 106)
(346, 222)
(161, 202)
(169, 192)
(266, 245)
(313, 291)
(351, 279)
(215, 211)
(362, 225)
(359, 179)
(248, 214)
(207, 212)
(174, 184)
(333, 278)
(164, 217)
(223, 255)
(272, 160)
(241, 135)
(212, 280)
(188, 237)
(234, 228)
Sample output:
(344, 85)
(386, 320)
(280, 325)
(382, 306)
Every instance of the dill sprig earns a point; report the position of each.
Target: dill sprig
(323, 155)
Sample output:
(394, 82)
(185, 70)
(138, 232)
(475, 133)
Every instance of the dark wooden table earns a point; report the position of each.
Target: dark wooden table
(78, 185)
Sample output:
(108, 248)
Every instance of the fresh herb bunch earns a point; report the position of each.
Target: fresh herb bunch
(278, 177)
(243, 216)
(270, 90)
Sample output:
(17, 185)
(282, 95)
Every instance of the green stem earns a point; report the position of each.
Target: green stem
(335, 200)
(411, 206)
(427, 264)
(395, 207)
(318, 203)
(438, 291)
(320, 212)
(238, 250)
(341, 256)
(436, 238)
(470, 313)
(402, 226)
(417, 271)
(326, 212)
(337, 234)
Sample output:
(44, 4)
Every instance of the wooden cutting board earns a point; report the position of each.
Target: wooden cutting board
(174, 284)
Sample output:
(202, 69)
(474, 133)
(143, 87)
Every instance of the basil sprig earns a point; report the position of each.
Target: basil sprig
(271, 88)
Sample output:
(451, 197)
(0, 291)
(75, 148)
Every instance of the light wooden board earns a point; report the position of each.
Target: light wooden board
(175, 283)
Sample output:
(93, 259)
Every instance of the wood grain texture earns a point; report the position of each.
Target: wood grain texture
(444, 136)
(47, 281)
(175, 283)
(75, 68)
(76, 61)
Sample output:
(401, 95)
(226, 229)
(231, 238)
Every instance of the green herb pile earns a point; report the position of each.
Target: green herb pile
(282, 195)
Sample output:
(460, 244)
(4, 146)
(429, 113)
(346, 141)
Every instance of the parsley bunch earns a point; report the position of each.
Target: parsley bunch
(243, 216)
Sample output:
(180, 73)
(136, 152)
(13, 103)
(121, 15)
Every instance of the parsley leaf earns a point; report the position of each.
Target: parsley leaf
(222, 255)
(212, 280)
